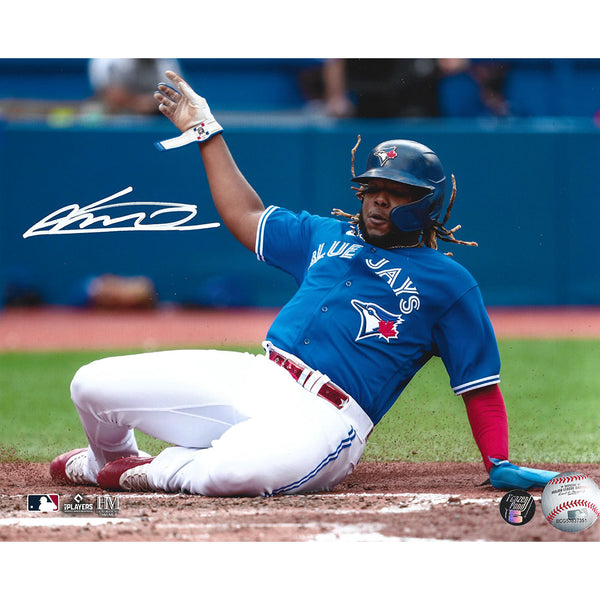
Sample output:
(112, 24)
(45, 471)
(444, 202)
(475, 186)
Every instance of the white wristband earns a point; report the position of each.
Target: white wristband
(198, 133)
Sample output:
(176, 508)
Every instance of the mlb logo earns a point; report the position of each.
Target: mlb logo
(42, 502)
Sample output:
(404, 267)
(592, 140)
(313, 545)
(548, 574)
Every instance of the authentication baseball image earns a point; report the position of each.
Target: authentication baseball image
(571, 501)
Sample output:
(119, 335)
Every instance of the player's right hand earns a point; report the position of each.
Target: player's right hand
(188, 112)
(182, 105)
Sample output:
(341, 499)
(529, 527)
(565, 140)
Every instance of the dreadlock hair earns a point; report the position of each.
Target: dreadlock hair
(429, 236)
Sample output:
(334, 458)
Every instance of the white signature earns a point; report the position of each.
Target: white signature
(58, 221)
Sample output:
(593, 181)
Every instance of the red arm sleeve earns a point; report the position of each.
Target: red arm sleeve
(487, 417)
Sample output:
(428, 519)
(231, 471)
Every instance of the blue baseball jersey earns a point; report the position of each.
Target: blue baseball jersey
(369, 317)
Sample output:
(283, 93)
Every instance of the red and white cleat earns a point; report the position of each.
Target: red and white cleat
(128, 474)
(69, 467)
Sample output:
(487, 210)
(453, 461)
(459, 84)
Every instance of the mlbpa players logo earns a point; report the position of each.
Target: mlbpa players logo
(376, 321)
(386, 154)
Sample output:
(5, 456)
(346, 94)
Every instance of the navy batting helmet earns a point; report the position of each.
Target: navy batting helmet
(413, 164)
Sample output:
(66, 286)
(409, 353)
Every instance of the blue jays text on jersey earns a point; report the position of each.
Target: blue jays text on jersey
(369, 317)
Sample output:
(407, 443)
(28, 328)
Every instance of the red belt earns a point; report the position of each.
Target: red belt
(328, 390)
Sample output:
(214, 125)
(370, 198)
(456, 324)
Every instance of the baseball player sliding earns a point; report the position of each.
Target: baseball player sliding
(375, 301)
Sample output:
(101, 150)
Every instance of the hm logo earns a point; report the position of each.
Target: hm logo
(107, 506)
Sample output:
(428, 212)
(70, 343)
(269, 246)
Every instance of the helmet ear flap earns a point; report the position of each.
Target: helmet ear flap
(414, 216)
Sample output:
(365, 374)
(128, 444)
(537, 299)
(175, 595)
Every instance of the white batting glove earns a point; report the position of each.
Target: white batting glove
(188, 112)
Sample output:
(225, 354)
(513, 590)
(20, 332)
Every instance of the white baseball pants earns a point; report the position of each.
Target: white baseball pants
(240, 425)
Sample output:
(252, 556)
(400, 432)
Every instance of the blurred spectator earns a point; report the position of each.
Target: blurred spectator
(375, 88)
(126, 85)
(472, 88)
(114, 292)
(419, 87)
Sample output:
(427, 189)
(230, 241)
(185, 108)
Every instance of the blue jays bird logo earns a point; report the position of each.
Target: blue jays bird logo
(386, 154)
(376, 321)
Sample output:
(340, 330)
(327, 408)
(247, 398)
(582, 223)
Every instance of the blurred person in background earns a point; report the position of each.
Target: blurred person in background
(473, 88)
(375, 87)
(114, 292)
(125, 85)
(399, 88)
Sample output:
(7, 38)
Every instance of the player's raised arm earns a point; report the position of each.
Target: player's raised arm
(238, 204)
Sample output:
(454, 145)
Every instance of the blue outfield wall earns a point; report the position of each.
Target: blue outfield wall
(527, 193)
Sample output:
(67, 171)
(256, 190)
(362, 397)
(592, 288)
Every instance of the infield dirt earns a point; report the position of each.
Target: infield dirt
(378, 502)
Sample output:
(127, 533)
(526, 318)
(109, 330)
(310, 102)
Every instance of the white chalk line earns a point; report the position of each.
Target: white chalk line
(365, 532)
(61, 521)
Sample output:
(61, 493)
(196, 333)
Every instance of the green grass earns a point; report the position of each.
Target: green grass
(37, 418)
(551, 389)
